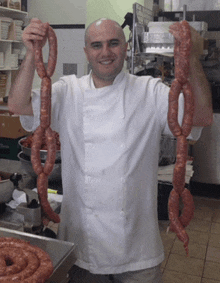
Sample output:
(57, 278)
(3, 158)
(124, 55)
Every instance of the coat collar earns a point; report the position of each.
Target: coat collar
(117, 80)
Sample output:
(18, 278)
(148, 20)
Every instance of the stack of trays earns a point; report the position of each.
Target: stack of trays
(14, 61)
(5, 24)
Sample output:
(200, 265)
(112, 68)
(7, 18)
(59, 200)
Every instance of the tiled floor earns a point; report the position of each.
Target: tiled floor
(203, 263)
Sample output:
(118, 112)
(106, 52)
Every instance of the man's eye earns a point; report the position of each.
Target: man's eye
(96, 45)
(114, 43)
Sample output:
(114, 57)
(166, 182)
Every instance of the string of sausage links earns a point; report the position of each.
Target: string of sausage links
(44, 129)
(182, 47)
(22, 262)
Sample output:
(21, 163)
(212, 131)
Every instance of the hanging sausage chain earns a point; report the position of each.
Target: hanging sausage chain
(44, 129)
(182, 47)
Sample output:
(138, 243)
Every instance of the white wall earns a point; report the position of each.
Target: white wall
(78, 12)
(62, 12)
(58, 11)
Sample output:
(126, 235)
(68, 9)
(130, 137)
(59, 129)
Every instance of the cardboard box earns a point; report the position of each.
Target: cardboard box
(10, 126)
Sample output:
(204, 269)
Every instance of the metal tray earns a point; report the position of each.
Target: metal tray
(61, 252)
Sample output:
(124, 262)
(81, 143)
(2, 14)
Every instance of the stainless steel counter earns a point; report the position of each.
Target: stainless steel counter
(61, 252)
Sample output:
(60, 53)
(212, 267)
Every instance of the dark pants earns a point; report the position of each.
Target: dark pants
(150, 275)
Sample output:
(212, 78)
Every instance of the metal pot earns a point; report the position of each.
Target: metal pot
(27, 166)
(167, 150)
(43, 153)
(6, 187)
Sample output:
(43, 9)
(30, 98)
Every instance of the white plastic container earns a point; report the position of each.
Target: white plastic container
(18, 29)
(14, 61)
(5, 24)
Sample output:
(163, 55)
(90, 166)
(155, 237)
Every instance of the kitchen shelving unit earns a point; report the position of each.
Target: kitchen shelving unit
(7, 47)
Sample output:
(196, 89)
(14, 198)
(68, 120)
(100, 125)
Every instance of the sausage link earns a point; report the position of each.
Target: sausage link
(44, 130)
(3, 265)
(188, 109)
(185, 48)
(14, 259)
(182, 72)
(173, 108)
(40, 67)
(35, 150)
(188, 209)
(23, 262)
(52, 53)
(45, 110)
(182, 48)
(38, 57)
(180, 165)
(51, 152)
(176, 226)
(42, 185)
(32, 263)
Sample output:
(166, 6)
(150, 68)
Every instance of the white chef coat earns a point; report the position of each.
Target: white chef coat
(110, 140)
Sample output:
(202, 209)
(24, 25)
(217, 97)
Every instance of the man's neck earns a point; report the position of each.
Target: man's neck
(99, 83)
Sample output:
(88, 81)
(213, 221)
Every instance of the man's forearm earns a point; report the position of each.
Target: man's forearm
(203, 113)
(19, 100)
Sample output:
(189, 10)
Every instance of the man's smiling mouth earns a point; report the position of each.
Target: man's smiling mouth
(106, 62)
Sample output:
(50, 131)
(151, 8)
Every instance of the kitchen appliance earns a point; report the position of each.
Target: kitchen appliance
(31, 209)
(158, 39)
(32, 217)
(151, 40)
(23, 211)
(210, 17)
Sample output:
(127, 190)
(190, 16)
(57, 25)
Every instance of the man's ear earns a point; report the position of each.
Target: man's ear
(126, 51)
(85, 50)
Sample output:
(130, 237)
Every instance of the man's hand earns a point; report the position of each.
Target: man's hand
(36, 30)
(196, 40)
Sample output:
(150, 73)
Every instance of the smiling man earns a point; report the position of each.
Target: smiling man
(110, 124)
(105, 49)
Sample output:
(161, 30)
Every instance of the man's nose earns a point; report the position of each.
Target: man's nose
(106, 50)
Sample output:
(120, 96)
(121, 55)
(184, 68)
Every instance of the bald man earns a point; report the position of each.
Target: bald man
(105, 51)
(110, 124)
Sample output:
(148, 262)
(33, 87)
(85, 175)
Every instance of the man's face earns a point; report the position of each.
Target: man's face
(105, 50)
